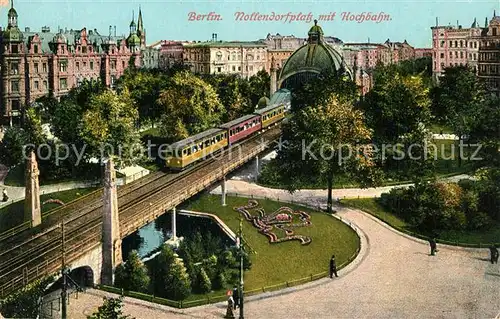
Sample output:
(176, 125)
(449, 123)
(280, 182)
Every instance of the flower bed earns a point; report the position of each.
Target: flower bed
(285, 219)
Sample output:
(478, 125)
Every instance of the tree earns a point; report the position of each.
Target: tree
(133, 274)
(259, 86)
(233, 92)
(11, 146)
(108, 127)
(204, 284)
(111, 309)
(189, 106)
(323, 137)
(25, 303)
(460, 94)
(170, 277)
(145, 87)
(396, 105)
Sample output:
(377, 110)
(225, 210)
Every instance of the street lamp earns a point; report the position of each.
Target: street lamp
(241, 268)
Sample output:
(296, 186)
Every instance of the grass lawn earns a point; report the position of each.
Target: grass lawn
(13, 215)
(370, 206)
(278, 263)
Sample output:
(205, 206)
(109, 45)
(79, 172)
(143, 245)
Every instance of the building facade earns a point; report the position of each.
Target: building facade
(171, 52)
(454, 46)
(423, 53)
(489, 55)
(217, 57)
(34, 64)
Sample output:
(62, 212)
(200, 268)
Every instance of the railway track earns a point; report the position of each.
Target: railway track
(34, 257)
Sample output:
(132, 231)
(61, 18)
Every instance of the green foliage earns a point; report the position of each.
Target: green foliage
(26, 302)
(108, 127)
(133, 274)
(323, 126)
(435, 207)
(170, 276)
(259, 86)
(145, 87)
(11, 146)
(111, 309)
(189, 106)
(203, 282)
(220, 281)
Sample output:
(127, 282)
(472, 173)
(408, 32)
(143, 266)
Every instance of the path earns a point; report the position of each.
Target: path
(393, 277)
(18, 193)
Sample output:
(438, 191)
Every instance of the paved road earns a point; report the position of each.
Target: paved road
(393, 277)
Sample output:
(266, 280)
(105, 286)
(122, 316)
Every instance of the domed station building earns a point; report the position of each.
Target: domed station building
(313, 58)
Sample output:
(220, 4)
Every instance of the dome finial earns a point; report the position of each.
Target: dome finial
(315, 22)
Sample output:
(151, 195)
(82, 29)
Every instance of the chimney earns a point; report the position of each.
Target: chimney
(110, 30)
(437, 21)
(215, 36)
(27, 29)
(115, 31)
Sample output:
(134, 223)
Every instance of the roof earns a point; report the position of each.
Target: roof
(194, 138)
(224, 44)
(93, 37)
(237, 121)
(312, 58)
(281, 96)
(266, 109)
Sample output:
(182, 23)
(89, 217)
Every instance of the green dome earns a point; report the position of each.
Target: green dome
(133, 39)
(310, 60)
(12, 35)
(12, 12)
(263, 102)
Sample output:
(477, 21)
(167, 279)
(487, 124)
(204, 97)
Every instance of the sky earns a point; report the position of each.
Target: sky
(169, 19)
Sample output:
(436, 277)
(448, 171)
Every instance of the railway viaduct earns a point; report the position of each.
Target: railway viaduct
(87, 233)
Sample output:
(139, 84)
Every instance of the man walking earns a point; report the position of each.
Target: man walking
(236, 298)
(333, 267)
(433, 245)
(494, 254)
(5, 197)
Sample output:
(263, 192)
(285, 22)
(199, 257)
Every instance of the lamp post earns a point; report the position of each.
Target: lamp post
(241, 268)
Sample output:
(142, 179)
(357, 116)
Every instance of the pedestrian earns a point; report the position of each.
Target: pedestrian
(333, 267)
(5, 197)
(433, 245)
(494, 254)
(230, 304)
(236, 298)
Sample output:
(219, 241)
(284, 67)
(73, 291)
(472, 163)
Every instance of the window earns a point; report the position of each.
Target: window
(475, 45)
(494, 31)
(461, 55)
(451, 54)
(78, 66)
(113, 65)
(91, 65)
(239, 68)
(35, 48)
(36, 86)
(14, 86)
(35, 67)
(63, 83)
(218, 69)
(219, 56)
(456, 54)
(15, 48)
(15, 105)
(442, 55)
(461, 43)
(456, 44)
(234, 68)
(45, 86)
(123, 64)
(451, 44)
(84, 49)
(84, 65)
(63, 66)
(442, 43)
(14, 68)
(44, 67)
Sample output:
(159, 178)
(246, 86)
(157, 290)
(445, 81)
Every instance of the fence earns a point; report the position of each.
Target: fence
(207, 300)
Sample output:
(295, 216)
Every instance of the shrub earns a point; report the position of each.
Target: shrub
(220, 280)
(133, 274)
(204, 284)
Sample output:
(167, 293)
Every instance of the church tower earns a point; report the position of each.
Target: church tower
(141, 32)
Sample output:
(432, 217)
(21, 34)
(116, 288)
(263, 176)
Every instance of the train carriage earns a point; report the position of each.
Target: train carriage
(242, 127)
(185, 152)
(271, 114)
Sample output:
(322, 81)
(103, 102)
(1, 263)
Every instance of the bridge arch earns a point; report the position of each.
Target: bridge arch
(84, 276)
